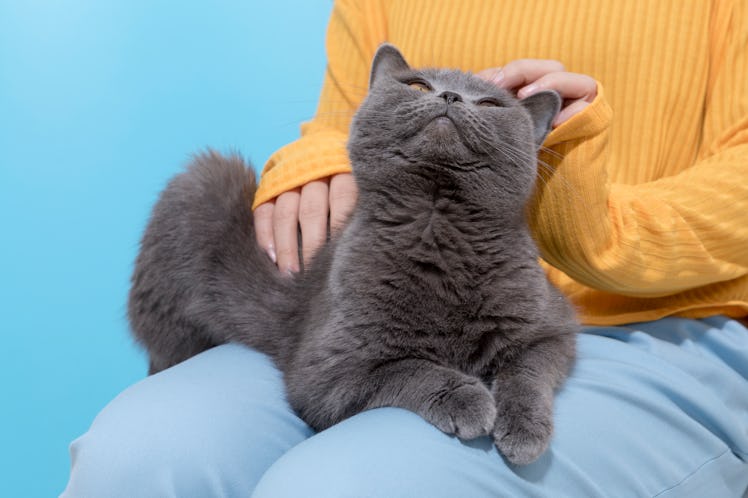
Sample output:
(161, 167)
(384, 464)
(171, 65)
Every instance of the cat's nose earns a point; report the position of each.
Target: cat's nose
(451, 97)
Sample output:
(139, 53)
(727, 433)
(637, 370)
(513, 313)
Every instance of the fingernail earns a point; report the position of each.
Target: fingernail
(527, 91)
(271, 254)
(498, 78)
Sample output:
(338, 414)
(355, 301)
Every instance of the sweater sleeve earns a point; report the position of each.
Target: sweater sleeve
(354, 32)
(654, 239)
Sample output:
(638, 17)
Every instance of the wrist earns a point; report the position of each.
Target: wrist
(590, 121)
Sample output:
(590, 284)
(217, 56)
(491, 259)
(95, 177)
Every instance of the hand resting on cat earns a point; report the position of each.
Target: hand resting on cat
(430, 299)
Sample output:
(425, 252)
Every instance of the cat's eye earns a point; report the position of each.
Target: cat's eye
(489, 102)
(419, 85)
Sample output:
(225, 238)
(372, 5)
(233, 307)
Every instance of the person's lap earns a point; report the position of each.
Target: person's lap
(657, 409)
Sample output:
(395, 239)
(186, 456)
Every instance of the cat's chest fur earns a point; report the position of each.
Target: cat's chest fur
(429, 278)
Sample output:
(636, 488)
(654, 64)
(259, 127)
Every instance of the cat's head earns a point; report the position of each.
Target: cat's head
(447, 118)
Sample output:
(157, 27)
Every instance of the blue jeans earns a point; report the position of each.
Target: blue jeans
(651, 409)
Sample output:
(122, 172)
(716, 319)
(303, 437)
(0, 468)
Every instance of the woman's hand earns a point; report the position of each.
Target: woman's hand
(310, 207)
(529, 76)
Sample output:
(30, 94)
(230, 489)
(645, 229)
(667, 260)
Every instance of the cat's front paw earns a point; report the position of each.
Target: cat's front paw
(468, 411)
(522, 436)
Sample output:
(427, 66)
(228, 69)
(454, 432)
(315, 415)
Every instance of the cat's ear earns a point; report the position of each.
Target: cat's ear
(543, 107)
(387, 60)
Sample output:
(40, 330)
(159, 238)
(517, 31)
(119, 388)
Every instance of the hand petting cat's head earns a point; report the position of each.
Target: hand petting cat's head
(447, 118)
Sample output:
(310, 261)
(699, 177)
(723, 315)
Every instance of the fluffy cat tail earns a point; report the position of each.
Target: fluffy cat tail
(200, 278)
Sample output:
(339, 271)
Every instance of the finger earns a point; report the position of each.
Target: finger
(568, 85)
(569, 111)
(489, 74)
(522, 72)
(313, 209)
(343, 194)
(263, 216)
(285, 228)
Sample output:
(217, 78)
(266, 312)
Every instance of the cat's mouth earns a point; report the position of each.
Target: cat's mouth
(443, 125)
(440, 134)
(443, 121)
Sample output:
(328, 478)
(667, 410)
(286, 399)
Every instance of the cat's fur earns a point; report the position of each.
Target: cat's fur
(431, 299)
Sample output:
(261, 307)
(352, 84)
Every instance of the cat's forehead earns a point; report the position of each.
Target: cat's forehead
(466, 84)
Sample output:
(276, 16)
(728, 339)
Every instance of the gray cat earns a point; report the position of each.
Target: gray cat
(431, 299)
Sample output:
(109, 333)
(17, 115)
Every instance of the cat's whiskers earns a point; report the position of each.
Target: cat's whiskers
(546, 171)
(517, 155)
(550, 152)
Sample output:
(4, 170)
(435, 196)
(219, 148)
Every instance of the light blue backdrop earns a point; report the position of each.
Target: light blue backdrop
(100, 102)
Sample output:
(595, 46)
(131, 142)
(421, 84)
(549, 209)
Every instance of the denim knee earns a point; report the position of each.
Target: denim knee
(208, 427)
(116, 464)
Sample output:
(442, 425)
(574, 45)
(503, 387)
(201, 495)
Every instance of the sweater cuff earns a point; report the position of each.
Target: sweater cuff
(312, 157)
(589, 122)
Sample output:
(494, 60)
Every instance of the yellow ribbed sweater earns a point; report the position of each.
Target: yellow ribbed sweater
(643, 211)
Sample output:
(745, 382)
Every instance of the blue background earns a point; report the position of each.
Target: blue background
(100, 103)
